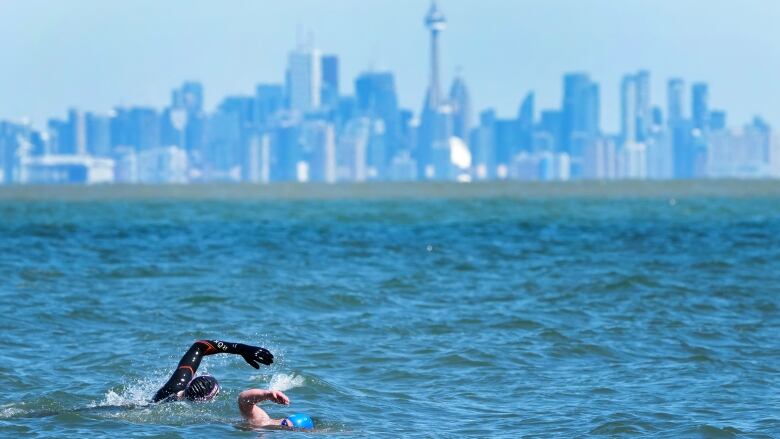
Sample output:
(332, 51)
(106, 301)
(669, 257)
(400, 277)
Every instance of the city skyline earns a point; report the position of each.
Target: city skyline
(306, 128)
(111, 89)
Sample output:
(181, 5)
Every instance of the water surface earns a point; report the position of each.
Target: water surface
(450, 317)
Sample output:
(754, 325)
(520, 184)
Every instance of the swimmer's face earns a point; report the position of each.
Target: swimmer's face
(288, 423)
(298, 421)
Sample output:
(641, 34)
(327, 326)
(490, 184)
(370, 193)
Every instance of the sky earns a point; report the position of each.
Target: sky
(96, 54)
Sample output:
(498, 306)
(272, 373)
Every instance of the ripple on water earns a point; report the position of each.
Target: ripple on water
(493, 318)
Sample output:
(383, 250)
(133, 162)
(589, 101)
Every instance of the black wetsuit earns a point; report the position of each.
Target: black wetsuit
(189, 363)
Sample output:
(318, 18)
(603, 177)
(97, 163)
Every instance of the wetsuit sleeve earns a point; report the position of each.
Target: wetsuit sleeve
(189, 363)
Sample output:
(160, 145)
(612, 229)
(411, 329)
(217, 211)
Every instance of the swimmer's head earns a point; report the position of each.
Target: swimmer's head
(298, 420)
(202, 388)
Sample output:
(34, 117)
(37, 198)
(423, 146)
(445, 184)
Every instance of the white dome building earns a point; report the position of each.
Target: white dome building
(460, 159)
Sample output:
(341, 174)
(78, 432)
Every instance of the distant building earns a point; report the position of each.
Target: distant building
(432, 151)
(525, 120)
(632, 161)
(126, 165)
(402, 167)
(506, 138)
(60, 137)
(304, 79)
(549, 135)
(258, 162)
(55, 169)
(162, 165)
(483, 146)
(352, 151)
(581, 109)
(188, 97)
(599, 160)
(78, 131)
(700, 106)
(227, 136)
(318, 144)
(98, 134)
(675, 92)
(635, 109)
(12, 143)
(643, 107)
(377, 99)
(330, 82)
(525, 166)
(143, 128)
(717, 120)
(269, 100)
(660, 156)
(461, 109)
(285, 150)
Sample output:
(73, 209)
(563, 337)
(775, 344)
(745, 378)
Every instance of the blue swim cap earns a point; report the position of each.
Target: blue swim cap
(299, 420)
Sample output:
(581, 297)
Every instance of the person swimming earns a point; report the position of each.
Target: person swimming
(183, 384)
(257, 417)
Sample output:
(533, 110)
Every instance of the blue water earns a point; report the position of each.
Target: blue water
(445, 318)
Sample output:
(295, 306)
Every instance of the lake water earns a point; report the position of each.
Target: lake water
(449, 317)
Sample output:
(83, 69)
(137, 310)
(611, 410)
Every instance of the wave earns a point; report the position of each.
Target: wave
(284, 382)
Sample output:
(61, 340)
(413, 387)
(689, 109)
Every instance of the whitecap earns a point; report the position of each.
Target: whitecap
(284, 382)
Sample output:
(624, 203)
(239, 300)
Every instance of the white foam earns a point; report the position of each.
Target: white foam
(9, 412)
(135, 394)
(284, 382)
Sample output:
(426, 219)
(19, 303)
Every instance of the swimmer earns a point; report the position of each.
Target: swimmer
(183, 384)
(259, 418)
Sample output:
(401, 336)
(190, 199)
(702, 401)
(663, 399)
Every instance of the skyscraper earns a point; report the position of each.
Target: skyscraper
(98, 133)
(717, 120)
(304, 79)
(269, 99)
(507, 140)
(60, 137)
(525, 120)
(318, 147)
(548, 137)
(78, 131)
(436, 121)
(483, 145)
(675, 95)
(635, 110)
(189, 97)
(461, 108)
(330, 81)
(580, 109)
(628, 109)
(285, 149)
(228, 136)
(144, 128)
(700, 109)
(376, 97)
(643, 108)
(436, 23)
(377, 100)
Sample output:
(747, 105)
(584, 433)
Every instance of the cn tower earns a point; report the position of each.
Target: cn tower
(436, 23)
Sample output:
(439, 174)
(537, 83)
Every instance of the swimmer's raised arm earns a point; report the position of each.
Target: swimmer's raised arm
(190, 362)
(254, 414)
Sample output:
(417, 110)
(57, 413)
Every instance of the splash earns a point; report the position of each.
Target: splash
(135, 394)
(284, 382)
(8, 411)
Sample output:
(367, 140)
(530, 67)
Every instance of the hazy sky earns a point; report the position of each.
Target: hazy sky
(94, 54)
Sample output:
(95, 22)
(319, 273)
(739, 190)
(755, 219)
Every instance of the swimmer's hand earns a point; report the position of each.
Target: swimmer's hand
(253, 355)
(278, 397)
